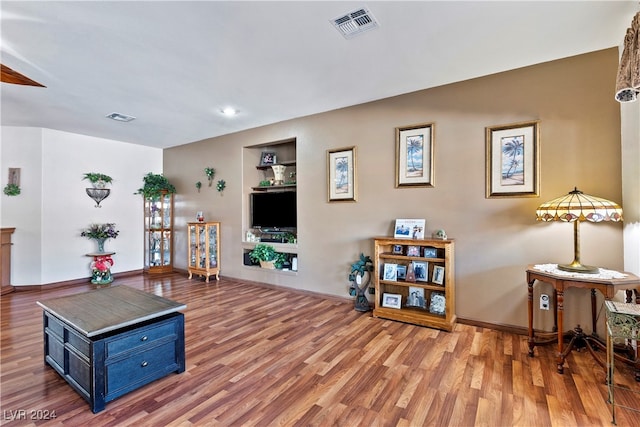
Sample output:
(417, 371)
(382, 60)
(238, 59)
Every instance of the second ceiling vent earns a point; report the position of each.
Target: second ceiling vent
(354, 23)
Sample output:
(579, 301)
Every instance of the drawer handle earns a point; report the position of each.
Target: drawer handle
(144, 338)
(144, 364)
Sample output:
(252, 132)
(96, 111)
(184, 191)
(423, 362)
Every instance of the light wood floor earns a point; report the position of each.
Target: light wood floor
(261, 356)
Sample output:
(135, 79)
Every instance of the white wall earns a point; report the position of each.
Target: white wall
(54, 207)
(630, 119)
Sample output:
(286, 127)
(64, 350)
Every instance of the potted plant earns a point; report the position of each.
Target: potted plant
(154, 185)
(265, 254)
(98, 180)
(360, 278)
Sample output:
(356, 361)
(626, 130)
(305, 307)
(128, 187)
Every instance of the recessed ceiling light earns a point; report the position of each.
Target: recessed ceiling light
(120, 117)
(229, 111)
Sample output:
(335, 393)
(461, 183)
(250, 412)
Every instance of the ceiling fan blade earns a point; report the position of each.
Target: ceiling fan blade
(7, 75)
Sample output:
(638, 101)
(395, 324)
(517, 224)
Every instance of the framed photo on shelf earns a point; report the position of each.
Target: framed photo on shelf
(430, 252)
(414, 156)
(397, 249)
(413, 250)
(409, 228)
(438, 302)
(513, 160)
(416, 297)
(390, 272)
(341, 174)
(421, 270)
(438, 275)
(267, 158)
(402, 272)
(391, 300)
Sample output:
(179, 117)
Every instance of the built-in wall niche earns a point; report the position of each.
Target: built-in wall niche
(259, 177)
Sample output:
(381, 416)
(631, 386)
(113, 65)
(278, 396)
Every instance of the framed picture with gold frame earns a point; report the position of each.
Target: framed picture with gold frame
(341, 175)
(513, 160)
(414, 155)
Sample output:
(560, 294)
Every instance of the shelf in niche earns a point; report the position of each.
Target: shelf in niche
(286, 163)
(274, 187)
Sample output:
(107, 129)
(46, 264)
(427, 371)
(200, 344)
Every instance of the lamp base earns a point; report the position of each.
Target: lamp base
(578, 268)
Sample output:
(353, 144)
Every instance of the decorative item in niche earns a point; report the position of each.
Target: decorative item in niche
(409, 229)
(414, 155)
(278, 174)
(210, 172)
(513, 160)
(268, 158)
(341, 174)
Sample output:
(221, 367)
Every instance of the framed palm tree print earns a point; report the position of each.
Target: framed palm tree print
(513, 160)
(341, 174)
(414, 156)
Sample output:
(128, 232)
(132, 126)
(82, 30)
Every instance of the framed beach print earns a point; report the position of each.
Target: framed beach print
(341, 174)
(414, 156)
(267, 158)
(391, 300)
(513, 160)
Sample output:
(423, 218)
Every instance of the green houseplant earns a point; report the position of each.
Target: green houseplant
(154, 185)
(11, 190)
(267, 256)
(99, 180)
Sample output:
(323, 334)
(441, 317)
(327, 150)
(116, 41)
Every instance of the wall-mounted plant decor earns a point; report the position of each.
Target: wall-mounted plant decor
(99, 181)
(220, 186)
(198, 186)
(13, 186)
(210, 174)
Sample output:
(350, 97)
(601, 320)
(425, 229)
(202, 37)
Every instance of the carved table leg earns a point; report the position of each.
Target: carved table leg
(560, 311)
(530, 309)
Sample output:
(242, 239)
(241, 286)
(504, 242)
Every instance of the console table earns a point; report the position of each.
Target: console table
(110, 341)
(561, 281)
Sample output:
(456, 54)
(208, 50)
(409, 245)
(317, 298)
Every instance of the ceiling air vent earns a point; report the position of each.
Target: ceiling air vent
(355, 22)
(120, 117)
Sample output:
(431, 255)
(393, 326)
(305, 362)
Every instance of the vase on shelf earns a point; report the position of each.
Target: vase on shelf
(278, 174)
(101, 245)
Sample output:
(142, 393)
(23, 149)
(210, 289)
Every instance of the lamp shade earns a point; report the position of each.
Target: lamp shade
(575, 207)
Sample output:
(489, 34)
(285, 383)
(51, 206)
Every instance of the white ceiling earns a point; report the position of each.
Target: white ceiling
(175, 64)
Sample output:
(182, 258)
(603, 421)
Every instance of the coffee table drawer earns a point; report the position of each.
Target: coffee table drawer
(143, 336)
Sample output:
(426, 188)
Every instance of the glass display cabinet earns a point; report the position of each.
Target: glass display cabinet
(158, 229)
(204, 249)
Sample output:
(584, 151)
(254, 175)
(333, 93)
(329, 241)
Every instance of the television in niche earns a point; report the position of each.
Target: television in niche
(274, 210)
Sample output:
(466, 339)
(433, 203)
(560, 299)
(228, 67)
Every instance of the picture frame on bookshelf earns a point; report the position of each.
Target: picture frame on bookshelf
(421, 270)
(409, 228)
(391, 300)
(438, 275)
(390, 272)
(430, 252)
(416, 297)
(397, 249)
(402, 272)
(268, 158)
(438, 303)
(413, 250)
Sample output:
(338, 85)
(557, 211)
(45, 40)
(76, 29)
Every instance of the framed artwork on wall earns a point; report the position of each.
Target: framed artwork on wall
(414, 156)
(513, 160)
(341, 175)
